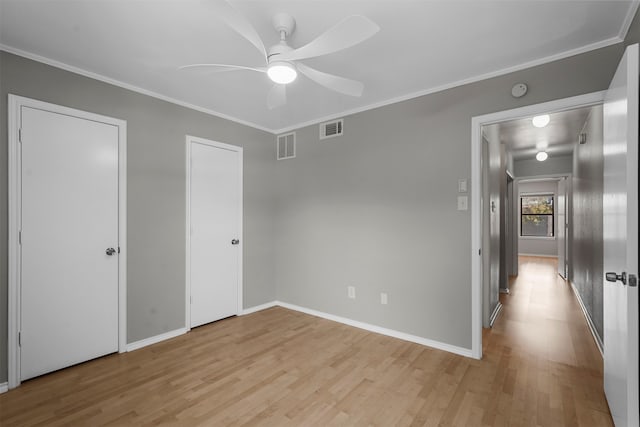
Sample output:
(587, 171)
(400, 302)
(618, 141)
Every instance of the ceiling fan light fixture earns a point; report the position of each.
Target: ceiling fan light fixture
(541, 121)
(541, 156)
(281, 59)
(282, 72)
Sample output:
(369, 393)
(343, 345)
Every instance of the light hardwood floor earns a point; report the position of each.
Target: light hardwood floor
(282, 368)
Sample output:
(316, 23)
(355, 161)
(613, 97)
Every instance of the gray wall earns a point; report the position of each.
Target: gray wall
(545, 246)
(376, 208)
(551, 166)
(588, 168)
(156, 192)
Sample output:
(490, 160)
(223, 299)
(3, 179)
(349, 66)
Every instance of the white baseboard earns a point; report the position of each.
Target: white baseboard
(155, 339)
(592, 327)
(259, 307)
(4, 387)
(380, 330)
(495, 313)
(539, 255)
(366, 326)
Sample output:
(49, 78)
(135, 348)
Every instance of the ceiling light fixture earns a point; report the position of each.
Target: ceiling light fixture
(541, 121)
(282, 72)
(541, 156)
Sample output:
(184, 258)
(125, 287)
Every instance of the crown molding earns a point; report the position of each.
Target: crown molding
(133, 88)
(349, 112)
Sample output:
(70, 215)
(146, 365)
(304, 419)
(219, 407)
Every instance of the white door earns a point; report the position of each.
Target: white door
(215, 215)
(562, 222)
(69, 285)
(620, 228)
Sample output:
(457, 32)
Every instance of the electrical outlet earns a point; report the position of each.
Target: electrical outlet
(351, 292)
(383, 298)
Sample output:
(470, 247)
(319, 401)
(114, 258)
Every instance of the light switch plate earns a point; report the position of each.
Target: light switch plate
(463, 203)
(462, 186)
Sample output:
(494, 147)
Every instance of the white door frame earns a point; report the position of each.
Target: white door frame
(476, 192)
(197, 140)
(15, 104)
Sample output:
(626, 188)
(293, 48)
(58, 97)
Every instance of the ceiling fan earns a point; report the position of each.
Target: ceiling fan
(283, 61)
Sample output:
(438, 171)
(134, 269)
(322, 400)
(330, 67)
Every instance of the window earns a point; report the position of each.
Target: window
(536, 215)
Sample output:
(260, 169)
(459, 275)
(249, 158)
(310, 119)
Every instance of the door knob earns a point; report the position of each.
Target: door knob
(235, 241)
(110, 251)
(613, 277)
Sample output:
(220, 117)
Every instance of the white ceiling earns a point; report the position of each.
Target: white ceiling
(524, 140)
(422, 46)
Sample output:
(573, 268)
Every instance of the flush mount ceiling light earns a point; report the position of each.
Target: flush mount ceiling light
(541, 121)
(282, 72)
(541, 156)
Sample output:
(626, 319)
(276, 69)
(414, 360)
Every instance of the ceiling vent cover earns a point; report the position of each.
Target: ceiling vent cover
(331, 129)
(286, 146)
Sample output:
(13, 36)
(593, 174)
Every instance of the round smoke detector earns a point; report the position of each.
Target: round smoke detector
(519, 90)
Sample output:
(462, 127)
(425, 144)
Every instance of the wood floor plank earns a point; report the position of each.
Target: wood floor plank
(282, 368)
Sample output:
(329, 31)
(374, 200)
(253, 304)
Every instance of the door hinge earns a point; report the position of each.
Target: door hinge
(479, 251)
(19, 237)
(118, 249)
(19, 339)
(20, 135)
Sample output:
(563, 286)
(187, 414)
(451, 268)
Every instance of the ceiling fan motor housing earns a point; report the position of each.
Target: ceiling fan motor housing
(284, 23)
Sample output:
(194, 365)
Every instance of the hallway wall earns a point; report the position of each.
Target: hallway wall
(588, 169)
(493, 159)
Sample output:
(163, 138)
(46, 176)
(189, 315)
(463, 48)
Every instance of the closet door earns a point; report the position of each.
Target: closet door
(69, 240)
(215, 224)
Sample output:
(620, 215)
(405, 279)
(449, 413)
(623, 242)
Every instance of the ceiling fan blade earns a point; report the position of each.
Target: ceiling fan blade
(348, 32)
(224, 67)
(239, 23)
(277, 96)
(335, 83)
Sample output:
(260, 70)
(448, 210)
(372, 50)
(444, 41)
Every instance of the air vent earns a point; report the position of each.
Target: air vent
(331, 129)
(286, 146)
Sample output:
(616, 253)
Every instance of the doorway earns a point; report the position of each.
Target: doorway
(617, 160)
(67, 235)
(214, 231)
(476, 192)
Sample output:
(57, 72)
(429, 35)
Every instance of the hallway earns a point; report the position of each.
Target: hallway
(551, 366)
